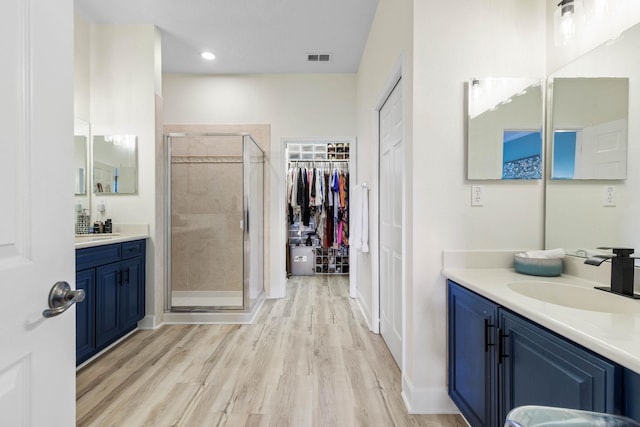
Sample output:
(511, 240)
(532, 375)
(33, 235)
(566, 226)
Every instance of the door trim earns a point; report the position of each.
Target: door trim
(279, 261)
(397, 73)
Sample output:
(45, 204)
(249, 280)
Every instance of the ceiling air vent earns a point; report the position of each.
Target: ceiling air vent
(319, 57)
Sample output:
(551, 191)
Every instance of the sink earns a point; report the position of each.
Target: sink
(572, 296)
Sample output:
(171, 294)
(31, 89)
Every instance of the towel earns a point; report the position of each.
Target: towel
(548, 254)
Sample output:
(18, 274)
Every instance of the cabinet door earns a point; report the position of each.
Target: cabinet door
(108, 283)
(85, 324)
(132, 291)
(631, 395)
(541, 368)
(472, 379)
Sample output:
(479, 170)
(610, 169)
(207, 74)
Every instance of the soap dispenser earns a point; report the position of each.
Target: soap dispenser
(82, 222)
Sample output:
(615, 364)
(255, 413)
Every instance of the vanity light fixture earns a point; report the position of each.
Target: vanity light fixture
(567, 19)
(208, 56)
(567, 7)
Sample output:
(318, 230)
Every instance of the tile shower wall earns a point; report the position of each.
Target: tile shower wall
(206, 192)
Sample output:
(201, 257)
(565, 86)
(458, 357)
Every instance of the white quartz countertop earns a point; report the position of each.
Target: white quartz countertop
(91, 240)
(121, 233)
(614, 335)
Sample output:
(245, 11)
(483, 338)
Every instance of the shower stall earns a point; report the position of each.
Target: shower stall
(215, 225)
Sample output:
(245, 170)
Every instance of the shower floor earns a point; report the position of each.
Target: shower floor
(206, 298)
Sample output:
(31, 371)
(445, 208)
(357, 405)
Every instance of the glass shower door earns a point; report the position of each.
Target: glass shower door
(253, 221)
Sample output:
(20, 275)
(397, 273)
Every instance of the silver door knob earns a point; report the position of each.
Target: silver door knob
(61, 297)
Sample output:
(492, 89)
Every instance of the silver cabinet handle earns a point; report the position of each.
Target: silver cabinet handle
(61, 298)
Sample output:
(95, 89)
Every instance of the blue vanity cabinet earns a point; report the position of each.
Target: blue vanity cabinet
(472, 357)
(538, 367)
(631, 394)
(132, 289)
(108, 283)
(117, 272)
(499, 360)
(85, 321)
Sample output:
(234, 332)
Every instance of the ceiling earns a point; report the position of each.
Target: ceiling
(247, 36)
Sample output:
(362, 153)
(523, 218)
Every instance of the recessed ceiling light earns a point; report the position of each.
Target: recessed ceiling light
(208, 56)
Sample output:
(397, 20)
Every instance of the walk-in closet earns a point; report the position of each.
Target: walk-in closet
(318, 208)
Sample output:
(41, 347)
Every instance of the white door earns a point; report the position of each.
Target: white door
(37, 355)
(601, 151)
(391, 214)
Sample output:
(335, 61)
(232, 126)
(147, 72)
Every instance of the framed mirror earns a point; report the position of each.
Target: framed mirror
(81, 156)
(589, 127)
(504, 128)
(115, 164)
(583, 214)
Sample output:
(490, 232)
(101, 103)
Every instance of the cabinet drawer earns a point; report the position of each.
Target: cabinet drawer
(98, 255)
(133, 249)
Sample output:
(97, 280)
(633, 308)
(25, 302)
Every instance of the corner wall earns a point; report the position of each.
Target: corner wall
(389, 46)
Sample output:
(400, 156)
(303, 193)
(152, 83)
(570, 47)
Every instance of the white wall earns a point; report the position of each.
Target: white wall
(295, 105)
(123, 101)
(454, 41)
(81, 77)
(443, 46)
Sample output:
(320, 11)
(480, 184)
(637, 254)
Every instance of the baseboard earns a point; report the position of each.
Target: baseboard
(149, 322)
(433, 400)
(277, 292)
(366, 314)
(104, 350)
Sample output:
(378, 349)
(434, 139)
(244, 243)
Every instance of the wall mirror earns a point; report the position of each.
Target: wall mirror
(81, 155)
(504, 128)
(589, 118)
(115, 164)
(582, 215)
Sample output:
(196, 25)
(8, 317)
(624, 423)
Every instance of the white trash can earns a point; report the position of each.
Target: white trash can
(544, 416)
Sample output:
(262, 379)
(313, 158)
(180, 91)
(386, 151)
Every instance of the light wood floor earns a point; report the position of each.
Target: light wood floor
(309, 360)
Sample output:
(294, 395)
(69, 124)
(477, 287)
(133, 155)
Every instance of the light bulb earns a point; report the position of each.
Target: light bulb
(209, 56)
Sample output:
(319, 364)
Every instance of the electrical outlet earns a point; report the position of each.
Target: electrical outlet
(477, 195)
(609, 197)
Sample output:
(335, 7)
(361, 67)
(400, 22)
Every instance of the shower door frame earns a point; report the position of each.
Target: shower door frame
(246, 301)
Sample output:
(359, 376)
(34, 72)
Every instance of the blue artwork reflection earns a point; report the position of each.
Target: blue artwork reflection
(522, 155)
(564, 154)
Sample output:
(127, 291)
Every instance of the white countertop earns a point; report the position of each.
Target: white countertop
(615, 336)
(91, 240)
(122, 233)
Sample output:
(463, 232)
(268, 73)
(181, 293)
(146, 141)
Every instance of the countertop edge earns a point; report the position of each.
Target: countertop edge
(628, 357)
(111, 240)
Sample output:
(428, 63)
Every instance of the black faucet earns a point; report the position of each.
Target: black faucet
(622, 267)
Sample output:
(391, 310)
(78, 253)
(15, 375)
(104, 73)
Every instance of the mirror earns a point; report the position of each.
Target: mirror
(81, 146)
(115, 164)
(589, 127)
(504, 128)
(582, 215)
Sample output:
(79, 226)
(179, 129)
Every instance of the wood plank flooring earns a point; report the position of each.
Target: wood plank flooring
(308, 360)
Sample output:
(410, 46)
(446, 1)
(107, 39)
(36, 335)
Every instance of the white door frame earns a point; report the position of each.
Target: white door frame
(396, 74)
(282, 229)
